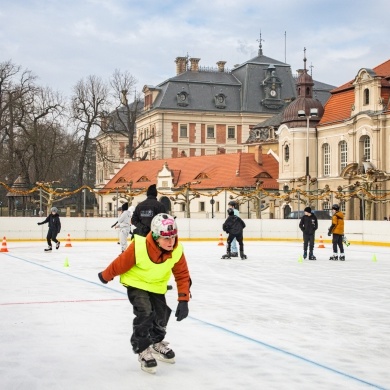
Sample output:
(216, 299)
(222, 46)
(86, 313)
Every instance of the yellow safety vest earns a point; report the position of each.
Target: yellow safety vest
(147, 275)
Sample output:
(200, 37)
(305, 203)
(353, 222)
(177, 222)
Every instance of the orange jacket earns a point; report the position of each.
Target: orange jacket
(337, 226)
(126, 260)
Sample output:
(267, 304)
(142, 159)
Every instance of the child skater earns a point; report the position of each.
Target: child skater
(124, 224)
(145, 268)
(54, 228)
(234, 226)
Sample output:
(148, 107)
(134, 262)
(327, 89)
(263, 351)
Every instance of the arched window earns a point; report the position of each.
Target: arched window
(286, 153)
(326, 159)
(366, 96)
(343, 154)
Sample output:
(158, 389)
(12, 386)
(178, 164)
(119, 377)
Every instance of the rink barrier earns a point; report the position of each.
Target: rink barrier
(98, 229)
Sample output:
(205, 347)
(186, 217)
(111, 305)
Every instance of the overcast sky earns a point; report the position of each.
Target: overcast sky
(63, 41)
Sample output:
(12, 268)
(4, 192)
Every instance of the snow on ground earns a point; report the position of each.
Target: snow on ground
(268, 322)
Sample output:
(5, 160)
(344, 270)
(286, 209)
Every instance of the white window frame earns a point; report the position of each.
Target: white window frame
(326, 159)
(210, 128)
(182, 127)
(233, 130)
(343, 149)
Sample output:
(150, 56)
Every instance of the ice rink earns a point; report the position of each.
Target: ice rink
(268, 322)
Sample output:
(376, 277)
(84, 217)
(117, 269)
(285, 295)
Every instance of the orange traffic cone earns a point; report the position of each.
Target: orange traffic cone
(321, 243)
(4, 245)
(220, 243)
(68, 243)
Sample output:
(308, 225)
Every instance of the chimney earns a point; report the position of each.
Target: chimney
(181, 65)
(194, 64)
(259, 155)
(221, 66)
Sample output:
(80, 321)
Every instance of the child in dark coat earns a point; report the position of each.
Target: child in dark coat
(54, 228)
(308, 224)
(234, 226)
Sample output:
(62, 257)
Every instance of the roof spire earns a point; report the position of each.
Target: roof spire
(260, 45)
(304, 59)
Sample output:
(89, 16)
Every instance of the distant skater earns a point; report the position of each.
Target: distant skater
(308, 224)
(54, 228)
(337, 229)
(234, 226)
(124, 224)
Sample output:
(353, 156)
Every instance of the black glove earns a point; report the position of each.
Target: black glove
(329, 233)
(113, 225)
(101, 278)
(181, 311)
(39, 223)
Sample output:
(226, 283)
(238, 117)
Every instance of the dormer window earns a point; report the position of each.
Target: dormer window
(182, 99)
(366, 96)
(220, 100)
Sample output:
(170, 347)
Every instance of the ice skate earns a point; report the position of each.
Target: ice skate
(148, 362)
(48, 249)
(312, 257)
(163, 352)
(334, 257)
(342, 257)
(58, 245)
(304, 254)
(227, 256)
(243, 256)
(234, 254)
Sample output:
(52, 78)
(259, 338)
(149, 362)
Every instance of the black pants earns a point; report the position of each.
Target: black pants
(239, 238)
(51, 235)
(308, 241)
(151, 318)
(337, 241)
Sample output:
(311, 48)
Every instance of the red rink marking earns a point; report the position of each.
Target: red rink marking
(69, 301)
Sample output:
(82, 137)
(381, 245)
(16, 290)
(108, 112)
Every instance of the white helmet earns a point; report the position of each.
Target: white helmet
(54, 210)
(163, 225)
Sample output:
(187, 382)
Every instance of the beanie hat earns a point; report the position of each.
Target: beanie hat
(125, 206)
(308, 210)
(336, 207)
(152, 190)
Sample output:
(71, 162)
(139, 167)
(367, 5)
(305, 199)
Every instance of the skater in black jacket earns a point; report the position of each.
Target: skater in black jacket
(146, 211)
(54, 228)
(234, 226)
(308, 224)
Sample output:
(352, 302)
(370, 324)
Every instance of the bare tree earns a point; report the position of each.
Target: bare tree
(123, 115)
(89, 103)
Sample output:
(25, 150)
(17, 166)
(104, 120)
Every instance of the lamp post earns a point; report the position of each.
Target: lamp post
(302, 114)
(212, 201)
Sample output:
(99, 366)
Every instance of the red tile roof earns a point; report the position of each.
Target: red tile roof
(221, 171)
(338, 107)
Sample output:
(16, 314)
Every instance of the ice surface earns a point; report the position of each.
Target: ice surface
(268, 322)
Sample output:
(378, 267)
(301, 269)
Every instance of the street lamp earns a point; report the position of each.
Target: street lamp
(302, 114)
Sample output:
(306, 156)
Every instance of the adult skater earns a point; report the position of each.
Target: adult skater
(337, 229)
(144, 269)
(234, 226)
(146, 210)
(53, 219)
(308, 224)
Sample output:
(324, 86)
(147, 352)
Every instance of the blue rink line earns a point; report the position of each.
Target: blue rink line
(269, 346)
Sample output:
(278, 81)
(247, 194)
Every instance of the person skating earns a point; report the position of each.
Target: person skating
(124, 224)
(337, 229)
(145, 268)
(146, 210)
(53, 219)
(233, 205)
(308, 224)
(234, 226)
